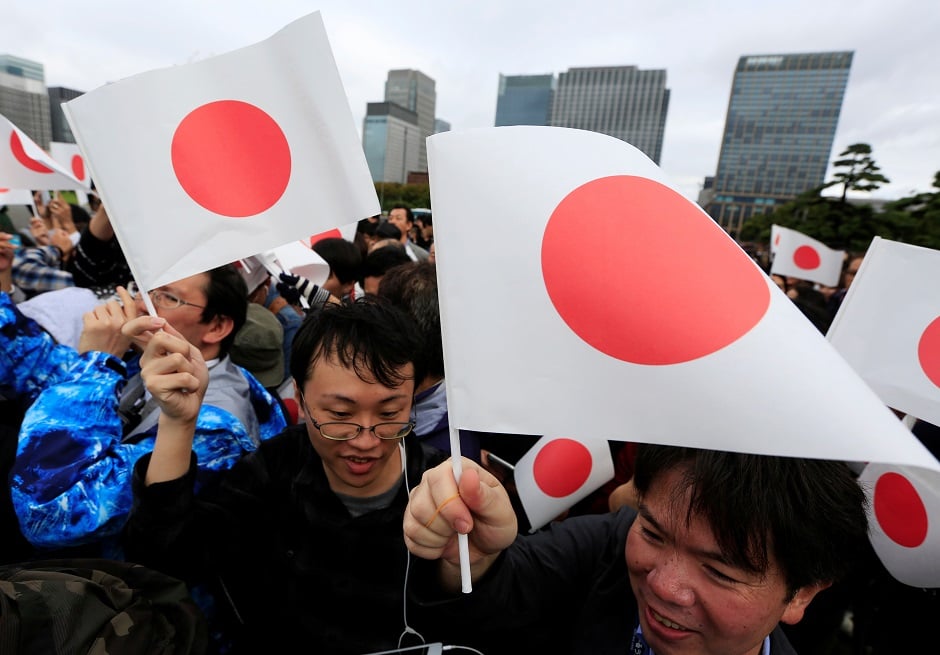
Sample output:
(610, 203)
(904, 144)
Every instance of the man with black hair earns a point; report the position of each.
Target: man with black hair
(403, 218)
(379, 262)
(305, 533)
(345, 260)
(724, 547)
(80, 438)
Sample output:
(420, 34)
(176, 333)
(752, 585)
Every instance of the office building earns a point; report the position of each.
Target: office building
(440, 125)
(24, 99)
(781, 122)
(621, 101)
(61, 131)
(391, 140)
(414, 90)
(525, 100)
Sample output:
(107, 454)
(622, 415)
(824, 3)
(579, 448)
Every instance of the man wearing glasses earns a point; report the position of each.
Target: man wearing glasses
(80, 439)
(302, 536)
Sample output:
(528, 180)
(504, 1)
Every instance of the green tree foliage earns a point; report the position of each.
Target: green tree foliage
(917, 217)
(856, 170)
(850, 226)
(413, 195)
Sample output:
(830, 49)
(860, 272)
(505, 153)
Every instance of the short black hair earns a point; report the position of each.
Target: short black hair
(370, 336)
(408, 213)
(367, 227)
(80, 217)
(343, 256)
(381, 260)
(386, 230)
(810, 514)
(226, 295)
(413, 288)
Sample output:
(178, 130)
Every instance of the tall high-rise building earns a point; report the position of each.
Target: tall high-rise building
(781, 122)
(621, 101)
(61, 131)
(24, 99)
(414, 90)
(390, 139)
(525, 100)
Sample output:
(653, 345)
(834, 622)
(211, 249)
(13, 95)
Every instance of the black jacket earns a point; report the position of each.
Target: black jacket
(561, 590)
(302, 574)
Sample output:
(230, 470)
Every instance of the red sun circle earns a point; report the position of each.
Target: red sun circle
(643, 275)
(231, 158)
(78, 167)
(900, 510)
(16, 147)
(562, 467)
(928, 351)
(806, 257)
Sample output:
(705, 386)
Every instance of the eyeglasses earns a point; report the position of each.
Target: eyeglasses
(344, 431)
(162, 299)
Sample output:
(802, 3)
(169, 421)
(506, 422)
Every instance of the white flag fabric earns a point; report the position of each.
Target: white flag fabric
(557, 472)
(604, 305)
(24, 165)
(774, 240)
(888, 326)
(218, 160)
(299, 259)
(16, 197)
(69, 157)
(801, 256)
(347, 232)
(904, 520)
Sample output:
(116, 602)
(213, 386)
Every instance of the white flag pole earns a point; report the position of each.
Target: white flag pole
(463, 543)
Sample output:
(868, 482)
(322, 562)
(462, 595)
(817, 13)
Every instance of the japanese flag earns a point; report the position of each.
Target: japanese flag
(24, 165)
(69, 157)
(797, 255)
(557, 472)
(904, 521)
(888, 326)
(215, 161)
(610, 306)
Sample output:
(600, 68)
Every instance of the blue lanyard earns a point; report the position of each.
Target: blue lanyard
(638, 645)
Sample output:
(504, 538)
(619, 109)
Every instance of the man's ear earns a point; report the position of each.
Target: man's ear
(299, 399)
(219, 327)
(794, 609)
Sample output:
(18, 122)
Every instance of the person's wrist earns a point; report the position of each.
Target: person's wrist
(277, 304)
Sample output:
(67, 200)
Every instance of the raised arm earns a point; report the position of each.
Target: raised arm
(175, 373)
(439, 509)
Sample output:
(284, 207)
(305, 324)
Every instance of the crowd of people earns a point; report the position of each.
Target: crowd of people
(281, 447)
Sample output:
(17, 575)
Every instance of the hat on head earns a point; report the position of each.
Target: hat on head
(254, 277)
(259, 346)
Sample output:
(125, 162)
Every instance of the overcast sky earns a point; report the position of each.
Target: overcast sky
(892, 101)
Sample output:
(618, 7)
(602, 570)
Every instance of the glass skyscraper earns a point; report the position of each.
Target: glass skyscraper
(61, 131)
(24, 99)
(390, 139)
(414, 90)
(525, 100)
(621, 101)
(781, 122)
